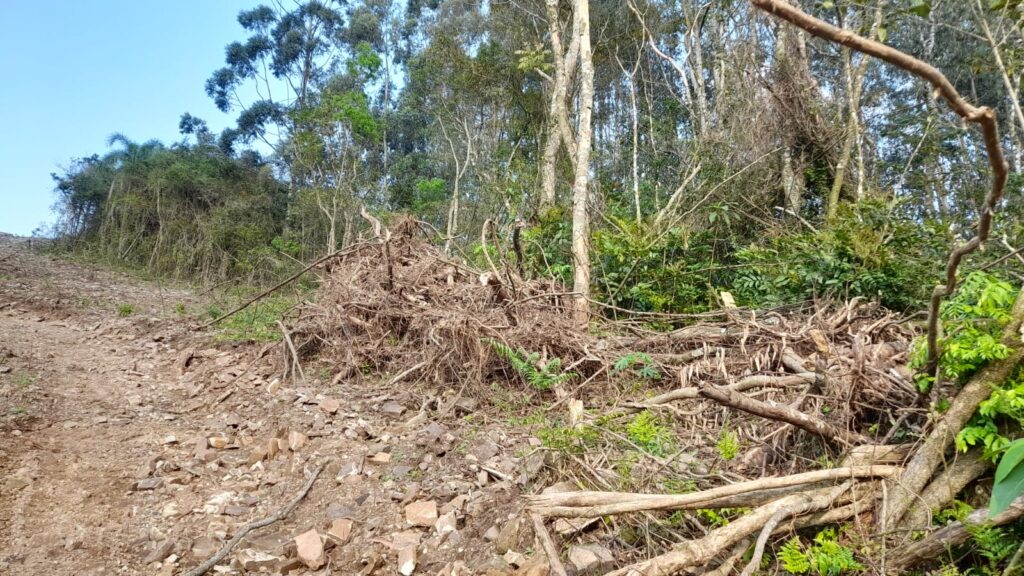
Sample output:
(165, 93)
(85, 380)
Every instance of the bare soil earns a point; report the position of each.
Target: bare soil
(130, 444)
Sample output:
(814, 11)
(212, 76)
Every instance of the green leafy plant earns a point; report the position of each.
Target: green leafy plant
(728, 444)
(825, 557)
(568, 439)
(639, 363)
(973, 321)
(647, 431)
(793, 558)
(1009, 480)
(125, 310)
(542, 376)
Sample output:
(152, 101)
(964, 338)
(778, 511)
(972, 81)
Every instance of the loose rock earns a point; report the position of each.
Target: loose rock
(421, 513)
(590, 559)
(310, 549)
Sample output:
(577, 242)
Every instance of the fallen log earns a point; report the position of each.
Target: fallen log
(945, 538)
(967, 468)
(593, 503)
(702, 551)
(781, 412)
(693, 392)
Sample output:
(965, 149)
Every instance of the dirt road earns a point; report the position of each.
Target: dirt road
(130, 445)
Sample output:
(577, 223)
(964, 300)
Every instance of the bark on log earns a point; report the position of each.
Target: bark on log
(590, 504)
(949, 536)
(699, 552)
(782, 413)
(945, 487)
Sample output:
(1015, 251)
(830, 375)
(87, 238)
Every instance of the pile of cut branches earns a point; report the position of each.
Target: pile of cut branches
(815, 396)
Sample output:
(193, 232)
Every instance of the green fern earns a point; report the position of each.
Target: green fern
(826, 557)
(527, 365)
(793, 558)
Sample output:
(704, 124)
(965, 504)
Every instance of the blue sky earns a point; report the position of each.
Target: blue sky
(77, 71)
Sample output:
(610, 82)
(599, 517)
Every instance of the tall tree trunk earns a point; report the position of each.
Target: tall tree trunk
(636, 131)
(854, 88)
(580, 215)
(558, 130)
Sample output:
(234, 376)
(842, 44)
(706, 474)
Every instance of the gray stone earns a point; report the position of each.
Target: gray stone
(591, 559)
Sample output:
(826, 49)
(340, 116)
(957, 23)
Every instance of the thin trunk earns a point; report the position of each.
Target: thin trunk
(854, 88)
(1014, 100)
(580, 215)
(636, 132)
(558, 130)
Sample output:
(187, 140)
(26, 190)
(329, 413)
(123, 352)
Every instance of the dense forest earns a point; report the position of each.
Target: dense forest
(654, 162)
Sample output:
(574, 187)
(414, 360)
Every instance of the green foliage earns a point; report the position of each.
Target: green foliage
(1009, 480)
(728, 444)
(528, 365)
(534, 57)
(639, 363)
(824, 557)
(868, 250)
(793, 558)
(720, 517)
(973, 321)
(568, 439)
(994, 545)
(641, 268)
(125, 310)
(256, 323)
(648, 432)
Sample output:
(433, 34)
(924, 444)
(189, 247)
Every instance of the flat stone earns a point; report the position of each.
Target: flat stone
(310, 549)
(149, 483)
(340, 530)
(296, 440)
(591, 559)
(170, 510)
(508, 538)
(407, 560)
(162, 550)
(422, 513)
(236, 510)
(484, 451)
(254, 560)
(446, 524)
(392, 408)
(218, 442)
(405, 539)
(336, 511)
(204, 547)
(514, 559)
(289, 565)
(330, 405)
(492, 534)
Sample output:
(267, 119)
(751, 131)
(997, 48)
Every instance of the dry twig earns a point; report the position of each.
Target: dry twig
(256, 524)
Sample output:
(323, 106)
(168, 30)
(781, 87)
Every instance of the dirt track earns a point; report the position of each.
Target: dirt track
(94, 402)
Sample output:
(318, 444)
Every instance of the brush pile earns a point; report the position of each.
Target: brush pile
(816, 397)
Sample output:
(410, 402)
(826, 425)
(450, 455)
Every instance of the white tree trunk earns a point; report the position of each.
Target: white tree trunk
(580, 215)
